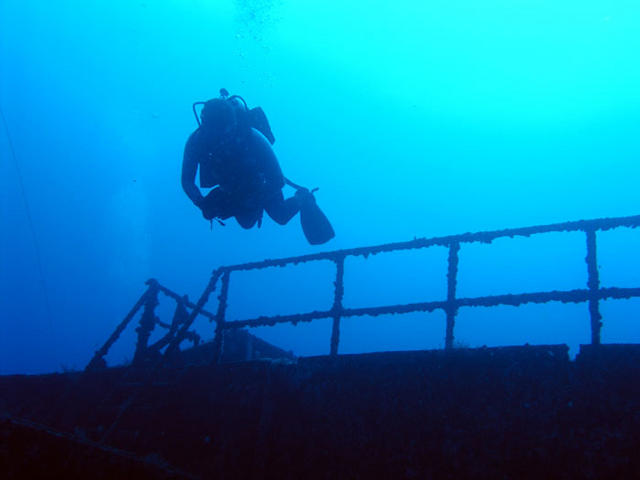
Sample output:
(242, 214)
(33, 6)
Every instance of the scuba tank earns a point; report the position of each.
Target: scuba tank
(249, 118)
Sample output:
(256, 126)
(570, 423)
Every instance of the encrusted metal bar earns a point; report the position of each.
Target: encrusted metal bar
(220, 320)
(270, 321)
(617, 293)
(394, 309)
(185, 300)
(569, 296)
(204, 298)
(97, 361)
(147, 323)
(180, 315)
(452, 279)
(337, 305)
(593, 282)
(483, 237)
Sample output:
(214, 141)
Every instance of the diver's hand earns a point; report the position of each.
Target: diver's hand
(205, 208)
(304, 195)
(207, 213)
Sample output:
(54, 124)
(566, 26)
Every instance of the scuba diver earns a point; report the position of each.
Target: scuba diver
(232, 149)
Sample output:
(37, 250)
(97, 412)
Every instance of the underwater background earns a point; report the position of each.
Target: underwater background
(415, 119)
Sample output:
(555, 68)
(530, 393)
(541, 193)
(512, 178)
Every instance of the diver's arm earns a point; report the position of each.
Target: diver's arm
(189, 169)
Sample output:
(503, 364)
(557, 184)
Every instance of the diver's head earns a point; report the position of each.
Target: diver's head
(218, 119)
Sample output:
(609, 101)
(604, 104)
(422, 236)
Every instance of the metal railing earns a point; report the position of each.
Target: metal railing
(183, 318)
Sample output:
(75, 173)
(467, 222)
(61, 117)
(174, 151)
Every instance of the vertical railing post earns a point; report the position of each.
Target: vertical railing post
(220, 318)
(337, 305)
(173, 347)
(98, 361)
(147, 323)
(593, 283)
(452, 279)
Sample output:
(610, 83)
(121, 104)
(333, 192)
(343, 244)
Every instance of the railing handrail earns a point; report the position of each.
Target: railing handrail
(592, 294)
(599, 224)
(180, 326)
(514, 300)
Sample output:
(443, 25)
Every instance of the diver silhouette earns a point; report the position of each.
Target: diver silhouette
(232, 149)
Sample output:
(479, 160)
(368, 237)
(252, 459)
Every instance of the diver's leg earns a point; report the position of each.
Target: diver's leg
(281, 210)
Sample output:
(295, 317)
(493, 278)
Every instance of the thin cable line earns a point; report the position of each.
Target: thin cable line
(34, 237)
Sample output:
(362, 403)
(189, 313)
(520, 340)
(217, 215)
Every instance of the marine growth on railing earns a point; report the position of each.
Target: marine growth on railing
(179, 328)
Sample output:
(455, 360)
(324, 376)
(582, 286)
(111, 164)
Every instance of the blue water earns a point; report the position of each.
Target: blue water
(415, 120)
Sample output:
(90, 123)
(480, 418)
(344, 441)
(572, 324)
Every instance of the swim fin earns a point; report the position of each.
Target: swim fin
(315, 224)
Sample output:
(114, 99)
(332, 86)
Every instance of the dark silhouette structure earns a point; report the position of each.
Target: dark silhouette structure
(238, 407)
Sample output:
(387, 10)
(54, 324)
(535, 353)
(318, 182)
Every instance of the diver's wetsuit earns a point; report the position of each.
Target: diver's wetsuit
(246, 176)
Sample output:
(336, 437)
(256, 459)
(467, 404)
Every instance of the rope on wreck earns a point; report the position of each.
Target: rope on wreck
(32, 230)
